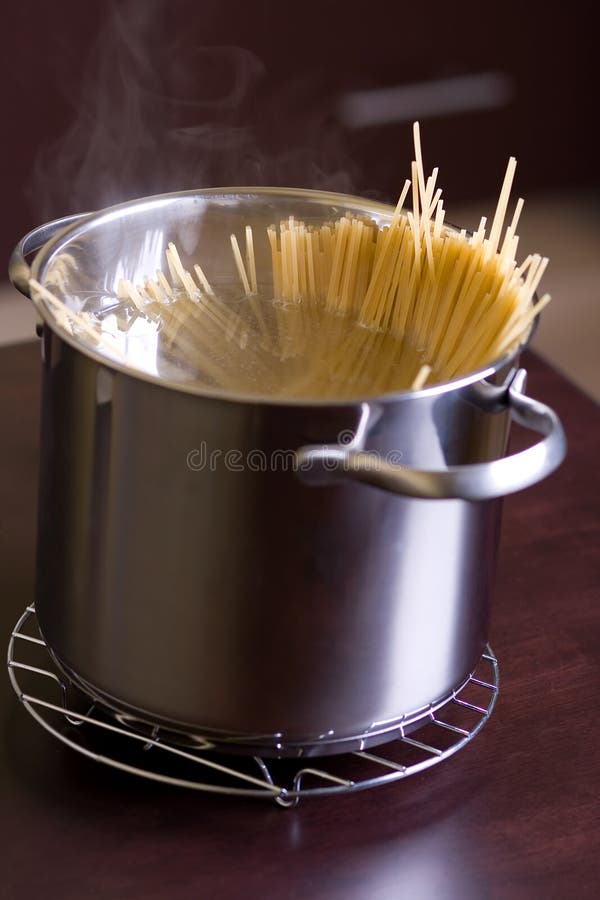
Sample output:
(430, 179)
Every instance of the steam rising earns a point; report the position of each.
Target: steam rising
(155, 114)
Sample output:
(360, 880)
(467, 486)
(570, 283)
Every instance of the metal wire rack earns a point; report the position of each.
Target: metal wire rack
(100, 735)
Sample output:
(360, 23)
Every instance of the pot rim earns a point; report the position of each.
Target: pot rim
(65, 235)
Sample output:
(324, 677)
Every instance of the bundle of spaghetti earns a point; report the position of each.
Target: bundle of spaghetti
(460, 300)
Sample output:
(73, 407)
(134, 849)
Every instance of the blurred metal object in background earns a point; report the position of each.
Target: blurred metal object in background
(426, 99)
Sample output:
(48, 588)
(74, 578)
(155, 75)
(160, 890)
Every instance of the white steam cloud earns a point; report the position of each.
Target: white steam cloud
(155, 114)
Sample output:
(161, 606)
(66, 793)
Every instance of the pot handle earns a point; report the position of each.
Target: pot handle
(18, 270)
(476, 481)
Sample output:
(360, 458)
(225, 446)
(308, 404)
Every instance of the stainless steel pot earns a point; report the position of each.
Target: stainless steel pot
(319, 596)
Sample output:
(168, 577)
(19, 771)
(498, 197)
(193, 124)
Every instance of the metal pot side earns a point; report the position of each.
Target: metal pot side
(234, 598)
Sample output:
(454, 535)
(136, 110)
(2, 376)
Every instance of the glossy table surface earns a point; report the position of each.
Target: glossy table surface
(514, 815)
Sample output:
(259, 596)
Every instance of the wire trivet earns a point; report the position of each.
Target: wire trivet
(103, 737)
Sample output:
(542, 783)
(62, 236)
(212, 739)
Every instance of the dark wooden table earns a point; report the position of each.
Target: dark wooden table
(514, 815)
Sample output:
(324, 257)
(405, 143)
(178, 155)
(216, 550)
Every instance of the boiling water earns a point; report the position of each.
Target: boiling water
(256, 345)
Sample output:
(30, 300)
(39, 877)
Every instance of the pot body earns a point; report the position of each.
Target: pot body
(188, 576)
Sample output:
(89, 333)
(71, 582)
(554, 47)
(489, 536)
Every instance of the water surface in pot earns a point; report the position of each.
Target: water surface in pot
(264, 345)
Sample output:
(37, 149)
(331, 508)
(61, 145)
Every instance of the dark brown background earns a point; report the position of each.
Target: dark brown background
(516, 814)
(144, 95)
